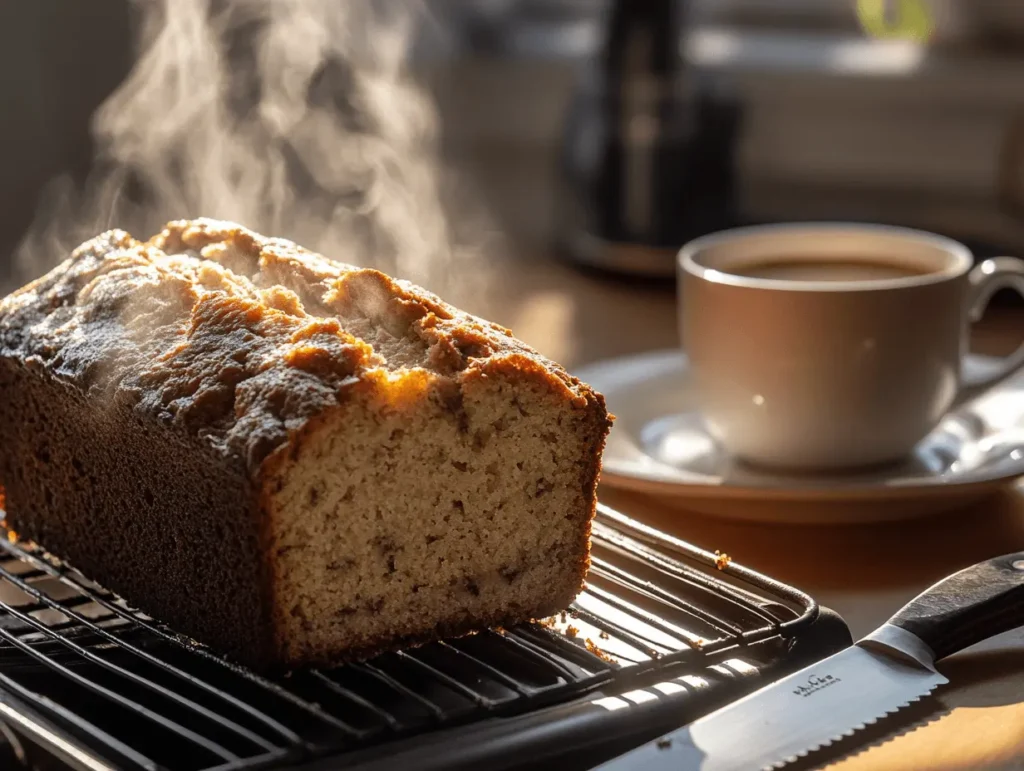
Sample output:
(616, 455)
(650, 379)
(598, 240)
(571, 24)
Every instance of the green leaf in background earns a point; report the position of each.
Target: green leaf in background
(896, 19)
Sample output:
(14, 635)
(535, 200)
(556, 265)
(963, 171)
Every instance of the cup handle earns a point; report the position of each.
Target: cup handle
(986, 279)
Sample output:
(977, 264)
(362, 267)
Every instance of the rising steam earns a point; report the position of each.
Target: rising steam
(296, 118)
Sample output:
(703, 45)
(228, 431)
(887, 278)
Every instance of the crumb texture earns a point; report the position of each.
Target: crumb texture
(357, 462)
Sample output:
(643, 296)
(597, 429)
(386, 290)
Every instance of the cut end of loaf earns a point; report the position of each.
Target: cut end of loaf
(394, 523)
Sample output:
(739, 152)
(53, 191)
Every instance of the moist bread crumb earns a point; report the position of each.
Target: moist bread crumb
(290, 459)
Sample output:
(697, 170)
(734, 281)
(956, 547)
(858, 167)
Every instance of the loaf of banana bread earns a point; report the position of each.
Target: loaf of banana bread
(290, 459)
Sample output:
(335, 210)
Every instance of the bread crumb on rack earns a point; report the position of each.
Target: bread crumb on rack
(593, 648)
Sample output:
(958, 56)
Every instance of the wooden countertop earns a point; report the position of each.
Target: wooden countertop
(863, 572)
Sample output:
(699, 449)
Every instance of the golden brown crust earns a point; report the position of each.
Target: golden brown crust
(237, 338)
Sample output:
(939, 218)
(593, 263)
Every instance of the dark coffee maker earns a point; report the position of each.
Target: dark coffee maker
(647, 155)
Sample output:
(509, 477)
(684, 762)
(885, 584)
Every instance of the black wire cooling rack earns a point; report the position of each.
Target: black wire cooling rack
(97, 684)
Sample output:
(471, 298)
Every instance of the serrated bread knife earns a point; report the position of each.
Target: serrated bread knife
(887, 670)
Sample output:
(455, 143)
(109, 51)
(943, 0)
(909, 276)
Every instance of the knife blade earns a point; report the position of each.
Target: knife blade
(880, 674)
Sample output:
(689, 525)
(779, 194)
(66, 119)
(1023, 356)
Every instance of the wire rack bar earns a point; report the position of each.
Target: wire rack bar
(347, 693)
(695, 578)
(596, 670)
(378, 674)
(277, 759)
(609, 520)
(610, 572)
(446, 680)
(138, 679)
(282, 693)
(122, 701)
(648, 618)
(400, 693)
(111, 743)
(493, 672)
(620, 632)
(540, 656)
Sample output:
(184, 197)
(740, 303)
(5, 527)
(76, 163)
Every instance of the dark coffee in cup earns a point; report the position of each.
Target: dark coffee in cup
(789, 269)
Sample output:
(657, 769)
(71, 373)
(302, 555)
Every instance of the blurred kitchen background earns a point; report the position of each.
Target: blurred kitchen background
(600, 134)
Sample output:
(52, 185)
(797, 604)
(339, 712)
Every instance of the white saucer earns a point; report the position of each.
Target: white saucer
(659, 446)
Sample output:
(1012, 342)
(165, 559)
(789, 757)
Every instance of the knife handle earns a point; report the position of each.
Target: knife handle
(970, 606)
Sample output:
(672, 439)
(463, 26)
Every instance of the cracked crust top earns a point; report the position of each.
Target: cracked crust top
(239, 339)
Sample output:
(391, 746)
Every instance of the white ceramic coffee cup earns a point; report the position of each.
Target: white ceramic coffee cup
(814, 374)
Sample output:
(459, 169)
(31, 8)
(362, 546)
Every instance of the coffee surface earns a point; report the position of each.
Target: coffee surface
(868, 269)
